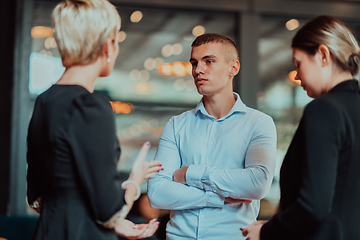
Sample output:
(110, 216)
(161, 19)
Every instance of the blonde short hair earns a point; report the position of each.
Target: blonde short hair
(81, 29)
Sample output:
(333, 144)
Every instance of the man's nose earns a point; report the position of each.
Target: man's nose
(199, 68)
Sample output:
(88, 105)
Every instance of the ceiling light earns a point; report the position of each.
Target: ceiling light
(167, 50)
(292, 76)
(136, 16)
(144, 75)
(122, 36)
(149, 64)
(165, 69)
(177, 48)
(135, 74)
(292, 24)
(198, 30)
(178, 69)
(143, 87)
(41, 32)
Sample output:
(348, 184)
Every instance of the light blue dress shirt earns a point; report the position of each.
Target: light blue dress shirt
(233, 156)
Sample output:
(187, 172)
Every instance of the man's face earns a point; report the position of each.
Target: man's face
(210, 70)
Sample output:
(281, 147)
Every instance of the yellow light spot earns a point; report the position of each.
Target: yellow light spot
(165, 69)
(149, 64)
(121, 107)
(41, 32)
(158, 61)
(143, 87)
(198, 30)
(136, 16)
(176, 68)
(122, 36)
(167, 50)
(135, 74)
(179, 69)
(291, 77)
(177, 48)
(292, 24)
(144, 75)
(47, 42)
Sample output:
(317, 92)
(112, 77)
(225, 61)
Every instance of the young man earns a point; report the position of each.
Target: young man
(217, 156)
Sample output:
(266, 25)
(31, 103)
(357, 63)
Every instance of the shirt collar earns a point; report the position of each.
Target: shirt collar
(239, 106)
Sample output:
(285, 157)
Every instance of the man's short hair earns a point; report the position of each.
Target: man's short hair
(215, 38)
(81, 29)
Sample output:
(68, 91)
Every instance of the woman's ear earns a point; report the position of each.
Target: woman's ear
(324, 54)
(108, 49)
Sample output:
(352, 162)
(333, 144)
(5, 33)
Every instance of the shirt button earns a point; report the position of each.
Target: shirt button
(202, 216)
(211, 142)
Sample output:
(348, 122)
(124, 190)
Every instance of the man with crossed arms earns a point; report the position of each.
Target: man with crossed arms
(216, 157)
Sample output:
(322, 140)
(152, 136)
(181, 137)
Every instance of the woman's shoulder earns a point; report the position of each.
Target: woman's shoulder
(95, 99)
(327, 102)
(92, 105)
(323, 110)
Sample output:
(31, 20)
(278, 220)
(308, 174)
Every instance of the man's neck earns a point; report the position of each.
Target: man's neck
(219, 105)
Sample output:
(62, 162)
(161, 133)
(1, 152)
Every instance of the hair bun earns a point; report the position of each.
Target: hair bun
(354, 62)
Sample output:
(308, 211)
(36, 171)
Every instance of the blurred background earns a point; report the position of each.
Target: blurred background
(152, 78)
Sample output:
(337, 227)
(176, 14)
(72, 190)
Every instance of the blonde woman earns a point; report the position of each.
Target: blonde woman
(319, 179)
(72, 146)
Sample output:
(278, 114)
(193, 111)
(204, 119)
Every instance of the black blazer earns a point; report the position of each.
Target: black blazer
(72, 157)
(320, 175)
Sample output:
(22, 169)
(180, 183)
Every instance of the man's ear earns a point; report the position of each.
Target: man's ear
(235, 68)
(324, 55)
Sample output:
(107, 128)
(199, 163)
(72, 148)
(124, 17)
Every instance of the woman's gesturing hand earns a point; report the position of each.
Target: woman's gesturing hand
(129, 230)
(141, 170)
(252, 231)
(140, 167)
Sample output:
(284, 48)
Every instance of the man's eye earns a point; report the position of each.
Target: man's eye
(210, 61)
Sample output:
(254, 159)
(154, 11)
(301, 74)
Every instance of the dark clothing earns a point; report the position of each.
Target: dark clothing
(72, 157)
(320, 175)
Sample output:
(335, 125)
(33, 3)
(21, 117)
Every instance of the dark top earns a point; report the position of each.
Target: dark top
(320, 175)
(72, 157)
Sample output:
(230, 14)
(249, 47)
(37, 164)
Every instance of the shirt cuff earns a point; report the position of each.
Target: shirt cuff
(214, 200)
(194, 174)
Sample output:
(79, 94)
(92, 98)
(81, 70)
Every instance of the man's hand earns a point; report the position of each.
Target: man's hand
(180, 175)
(234, 200)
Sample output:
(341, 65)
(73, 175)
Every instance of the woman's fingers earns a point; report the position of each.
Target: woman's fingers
(143, 151)
(154, 169)
(244, 231)
(140, 167)
(126, 229)
(155, 163)
(148, 176)
(153, 226)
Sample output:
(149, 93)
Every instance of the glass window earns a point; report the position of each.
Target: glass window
(279, 95)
